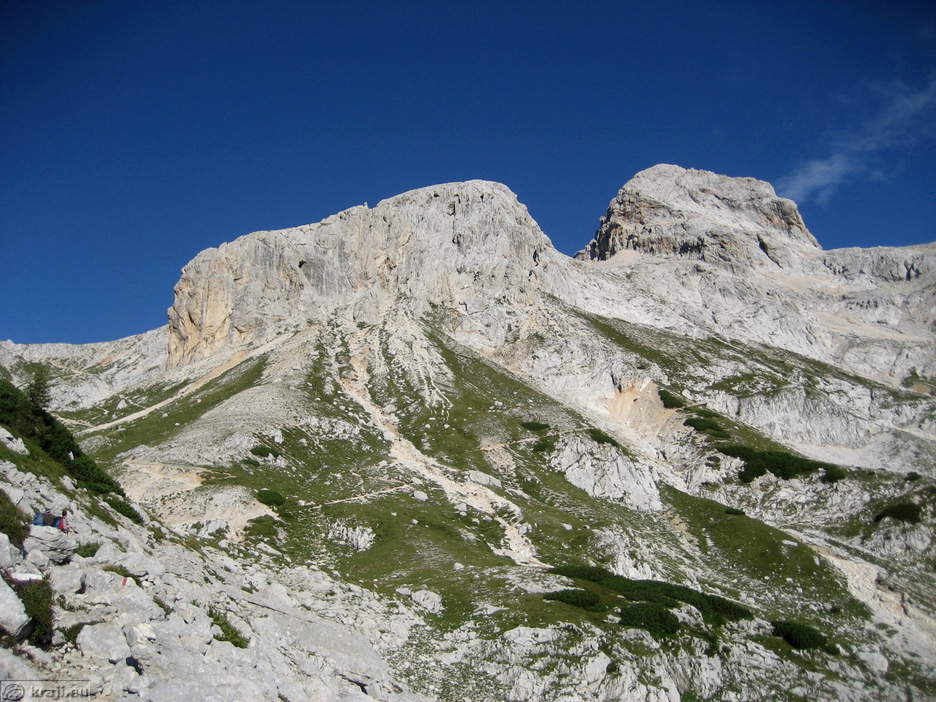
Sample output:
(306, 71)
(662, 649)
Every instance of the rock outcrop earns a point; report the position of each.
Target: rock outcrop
(359, 446)
(459, 245)
(668, 210)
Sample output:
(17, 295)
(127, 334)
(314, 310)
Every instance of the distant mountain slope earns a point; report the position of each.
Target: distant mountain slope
(703, 429)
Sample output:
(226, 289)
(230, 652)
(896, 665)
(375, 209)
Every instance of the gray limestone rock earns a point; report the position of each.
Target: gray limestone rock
(13, 443)
(57, 546)
(13, 617)
(104, 641)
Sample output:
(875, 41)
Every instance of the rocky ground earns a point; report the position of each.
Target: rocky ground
(364, 450)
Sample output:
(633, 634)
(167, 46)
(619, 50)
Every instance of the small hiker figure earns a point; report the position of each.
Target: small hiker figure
(49, 519)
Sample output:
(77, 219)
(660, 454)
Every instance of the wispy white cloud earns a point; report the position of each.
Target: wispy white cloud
(903, 121)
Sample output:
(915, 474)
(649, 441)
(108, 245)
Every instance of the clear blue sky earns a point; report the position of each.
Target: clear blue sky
(135, 134)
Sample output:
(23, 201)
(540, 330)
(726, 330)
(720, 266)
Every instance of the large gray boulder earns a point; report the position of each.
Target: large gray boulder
(13, 617)
(8, 553)
(13, 668)
(104, 640)
(54, 543)
(13, 443)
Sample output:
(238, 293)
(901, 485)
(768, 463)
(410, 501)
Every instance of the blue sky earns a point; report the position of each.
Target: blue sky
(135, 133)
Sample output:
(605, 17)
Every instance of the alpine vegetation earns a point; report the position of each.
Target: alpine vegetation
(412, 452)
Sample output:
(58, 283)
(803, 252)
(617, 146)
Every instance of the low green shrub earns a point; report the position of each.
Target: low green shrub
(271, 498)
(707, 425)
(912, 476)
(669, 400)
(263, 527)
(577, 598)
(228, 631)
(265, 451)
(799, 636)
(751, 472)
(90, 475)
(833, 474)
(13, 522)
(782, 464)
(36, 596)
(121, 507)
(71, 633)
(734, 510)
(713, 608)
(654, 618)
(901, 511)
(534, 426)
(88, 550)
(600, 437)
(545, 445)
(33, 423)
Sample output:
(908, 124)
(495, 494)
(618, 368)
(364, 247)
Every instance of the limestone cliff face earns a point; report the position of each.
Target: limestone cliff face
(702, 215)
(461, 245)
(706, 253)
(690, 251)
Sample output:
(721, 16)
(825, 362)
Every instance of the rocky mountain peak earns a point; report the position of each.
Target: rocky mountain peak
(670, 210)
(457, 244)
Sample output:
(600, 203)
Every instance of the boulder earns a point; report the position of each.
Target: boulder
(428, 600)
(54, 543)
(105, 640)
(140, 564)
(13, 617)
(108, 553)
(38, 558)
(8, 554)
(13, 668)
(13, 443)
(67, 580)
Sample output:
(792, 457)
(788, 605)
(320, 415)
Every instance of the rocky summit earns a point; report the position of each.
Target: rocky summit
(412, 452)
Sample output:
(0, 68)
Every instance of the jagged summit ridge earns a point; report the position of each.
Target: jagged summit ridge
(458, 244)
(473, 248)
(667, 209)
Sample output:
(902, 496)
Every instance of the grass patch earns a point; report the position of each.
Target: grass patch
(600, 437)
(713, 608)
(121, 507)
(228, 631)
(547, 444)
(654, 618)
(707, 425)
(833, 474)
(262, 451)
(782, 464)
(534, 426)
(671, 400)
(88, 550)
(271, 498)
(577, 598)
(40, 428)
(160, 425)
(264, 528)
(781, 572)
(13, 522)
(799, 636)
(70, 634)
(901, 512)
(36, 596)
